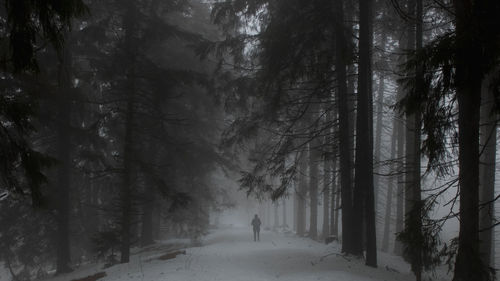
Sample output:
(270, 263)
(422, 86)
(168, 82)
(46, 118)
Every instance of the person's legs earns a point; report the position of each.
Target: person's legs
(258, 234)
(254, 235)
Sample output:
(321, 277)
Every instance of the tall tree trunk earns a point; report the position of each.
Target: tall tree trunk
(468, 265)
(390, 187)
(379, 127)
(413, 212)
(268, 214)
(328, 145)
(334, 189)
(335, 196)
(64, 168)
(285, 225)
(335, 208)
(295, 206)
(400, 195)
(344, 128)
(147, 217)
(314, 156)
(326, 195)
(488, 139)
(301, 195)
(410, 126)
(126, 187)
(90, 213)
(417, 263)
(276, 216)
(157, 221)
(363, 184)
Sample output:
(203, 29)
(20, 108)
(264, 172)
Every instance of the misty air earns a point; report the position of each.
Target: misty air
(249, 140)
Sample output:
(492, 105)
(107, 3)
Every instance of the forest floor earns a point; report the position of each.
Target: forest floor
(230, 254)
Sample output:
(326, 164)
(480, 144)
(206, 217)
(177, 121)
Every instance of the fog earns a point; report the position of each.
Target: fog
(249, 140)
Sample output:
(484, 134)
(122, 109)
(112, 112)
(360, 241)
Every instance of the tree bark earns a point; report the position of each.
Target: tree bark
(344, 128)
(400, 195)
(390, 188)
(285, 225)
(488, 139)
(337, 193)
(326, 196)
(364, 204)
(276, 216)
(268, 215)
(295, 206)
(379, 127)
(157, 221)
(128, 150)
(64, 168)
(126, 189)
(314, 156)
(468, 63)
(468, 265)
(147, 217)
(410, 126)
(413, 212)
(301, 195)
(335, 199)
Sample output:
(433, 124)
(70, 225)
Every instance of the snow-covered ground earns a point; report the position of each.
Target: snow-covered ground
(231, 255)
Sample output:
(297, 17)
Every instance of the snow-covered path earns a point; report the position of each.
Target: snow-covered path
(231, 255)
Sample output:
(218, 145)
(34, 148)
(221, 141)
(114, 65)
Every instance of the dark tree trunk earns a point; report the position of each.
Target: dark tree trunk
(468, 63)
(413, 214)
(417, 263)
(126, 188)
(488, 140)
(295, 206)
(364, 204)
(147, 218)
(314, 156)
(301, 195)
(284, 213)
(379, 126)
(410, 126)
(400, 195)
(468, 265)
(128, 147)
(269, 213)
(156, 222)
(64, 167)
(326, 195)
(276, 216)
(344, 128)
(335, 200)
(335, 230)
(390, 188)
(334, 190)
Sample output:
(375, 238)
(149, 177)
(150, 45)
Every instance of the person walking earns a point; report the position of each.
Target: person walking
(256, 228)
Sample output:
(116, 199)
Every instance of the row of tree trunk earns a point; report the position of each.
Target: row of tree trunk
(359, 194)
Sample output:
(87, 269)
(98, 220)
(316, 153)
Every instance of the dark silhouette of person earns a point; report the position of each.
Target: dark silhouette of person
(256, 228)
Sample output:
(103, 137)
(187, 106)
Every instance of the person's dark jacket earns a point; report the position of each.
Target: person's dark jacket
(256, 223)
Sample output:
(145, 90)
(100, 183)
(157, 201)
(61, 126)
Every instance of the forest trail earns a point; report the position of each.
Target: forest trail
(230, 254)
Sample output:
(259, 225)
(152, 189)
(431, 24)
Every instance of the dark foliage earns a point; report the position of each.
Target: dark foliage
(436, 102)
(31, 24)
(105, 244)
(421, 238)
(26, 238)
